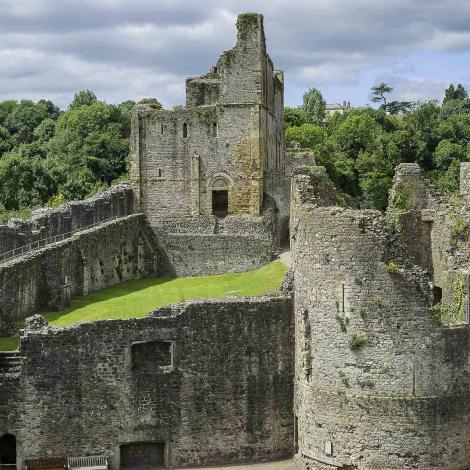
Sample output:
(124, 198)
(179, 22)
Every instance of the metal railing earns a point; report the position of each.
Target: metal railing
(21, 250)
(92, 461)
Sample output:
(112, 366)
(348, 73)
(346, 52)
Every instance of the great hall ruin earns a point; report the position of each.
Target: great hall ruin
(346, 367)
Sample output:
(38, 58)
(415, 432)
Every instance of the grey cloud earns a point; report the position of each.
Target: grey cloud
(123, 48)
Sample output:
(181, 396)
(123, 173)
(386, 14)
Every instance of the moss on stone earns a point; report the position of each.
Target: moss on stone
(356, 343)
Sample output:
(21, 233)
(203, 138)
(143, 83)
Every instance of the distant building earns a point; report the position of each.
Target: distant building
(332, 108)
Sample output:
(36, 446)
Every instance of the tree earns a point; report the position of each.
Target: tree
(83, 98)
(379, 92)
(152, 102)
(398, 107)
(293, 117)
(45, 130)
(93, 142)
(452, 93)
(24, 118)
(307, 135)
(314, 106)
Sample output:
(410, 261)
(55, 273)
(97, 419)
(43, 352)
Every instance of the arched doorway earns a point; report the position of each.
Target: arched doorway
(219, 189)
(8, 452)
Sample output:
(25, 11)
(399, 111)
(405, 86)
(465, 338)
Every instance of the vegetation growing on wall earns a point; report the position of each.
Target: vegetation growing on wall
(452, 312)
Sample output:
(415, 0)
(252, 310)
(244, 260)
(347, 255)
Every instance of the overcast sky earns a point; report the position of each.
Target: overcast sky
(130, 49)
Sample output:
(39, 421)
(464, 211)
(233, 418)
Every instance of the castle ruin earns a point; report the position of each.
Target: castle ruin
(361, 361)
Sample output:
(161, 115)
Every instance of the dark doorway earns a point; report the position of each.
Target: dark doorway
(284, 234)
(437, 295)
(8, 452)
(143, 455)
(220, 203)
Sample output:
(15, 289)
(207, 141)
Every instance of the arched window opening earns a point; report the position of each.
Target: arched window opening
(185, 130)
(8, 452)
(215, 129)
(159, 173)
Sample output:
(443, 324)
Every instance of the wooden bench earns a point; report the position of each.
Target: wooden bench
(52, 463)
(93, 462)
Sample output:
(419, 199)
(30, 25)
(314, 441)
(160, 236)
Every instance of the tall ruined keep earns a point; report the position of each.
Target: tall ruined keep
(220, 153)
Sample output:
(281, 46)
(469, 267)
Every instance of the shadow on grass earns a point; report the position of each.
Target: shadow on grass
(114, 292)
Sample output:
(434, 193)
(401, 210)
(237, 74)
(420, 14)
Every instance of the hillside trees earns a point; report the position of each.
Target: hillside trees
(47, 155)
(361, 147)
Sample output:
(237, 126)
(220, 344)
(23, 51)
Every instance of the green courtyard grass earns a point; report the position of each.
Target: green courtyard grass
(9, 344)
(137, 298)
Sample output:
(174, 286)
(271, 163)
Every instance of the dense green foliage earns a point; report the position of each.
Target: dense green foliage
(48, 156)
(361, 147)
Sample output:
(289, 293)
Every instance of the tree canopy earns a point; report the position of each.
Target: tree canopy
(313, 106)
(361, 147)
(48, 155)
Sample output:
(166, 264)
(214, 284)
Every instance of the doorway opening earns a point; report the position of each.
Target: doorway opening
(143, 455)
(8, 452)
(436, 295)
(220, 203)
(285, 235)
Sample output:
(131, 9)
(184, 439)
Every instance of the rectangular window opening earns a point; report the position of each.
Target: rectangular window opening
(151, 357)
(220, 203)
(296, 434)
(466, 299)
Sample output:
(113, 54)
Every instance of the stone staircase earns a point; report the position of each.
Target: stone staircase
(10, 363)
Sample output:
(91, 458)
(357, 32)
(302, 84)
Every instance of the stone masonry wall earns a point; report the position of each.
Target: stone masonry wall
(435, 232)
(212, 380)
(90, 260)
(70, 217)
(207, 245)
(379, 383)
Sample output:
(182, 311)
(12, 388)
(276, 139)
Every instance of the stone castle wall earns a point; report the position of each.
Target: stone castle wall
(434, 231)
(212, 380)
(207, 245)
(117, 201)
(88, 261)
(379, 383)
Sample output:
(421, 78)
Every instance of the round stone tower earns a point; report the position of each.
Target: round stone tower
(379, 383)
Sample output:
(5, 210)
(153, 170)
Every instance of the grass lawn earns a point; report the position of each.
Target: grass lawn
(9, 344)
(134, 299)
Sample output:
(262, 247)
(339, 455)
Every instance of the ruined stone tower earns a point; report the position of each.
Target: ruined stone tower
(219, 154)
(382, 333)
